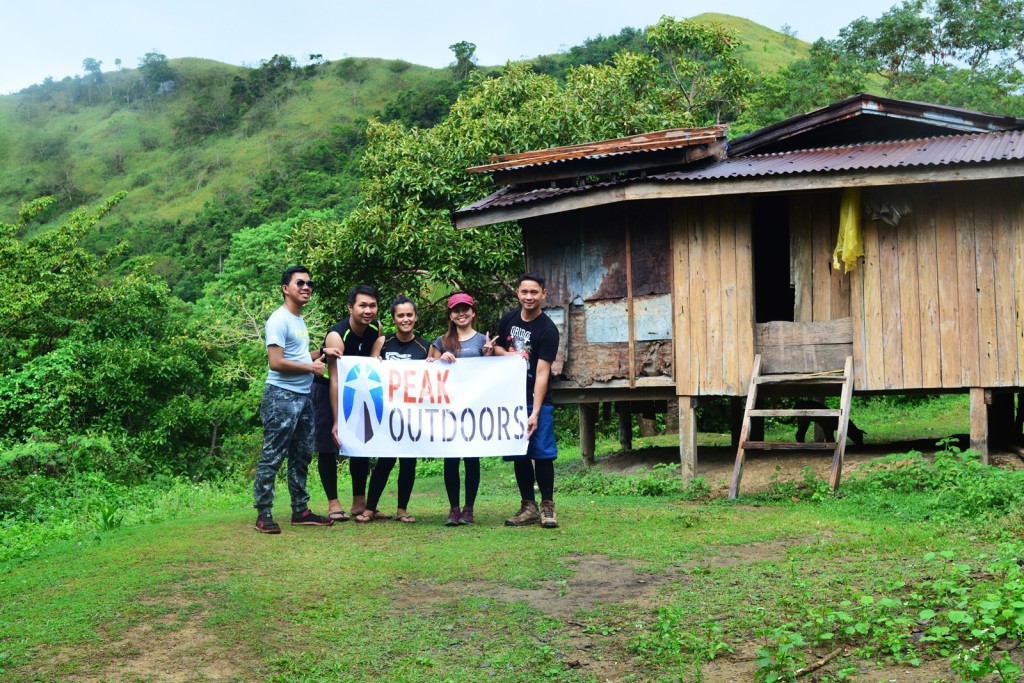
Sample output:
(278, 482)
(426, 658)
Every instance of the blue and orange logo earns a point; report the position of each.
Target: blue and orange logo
(362, 401)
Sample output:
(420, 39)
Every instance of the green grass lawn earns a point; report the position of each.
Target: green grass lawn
(888, 582)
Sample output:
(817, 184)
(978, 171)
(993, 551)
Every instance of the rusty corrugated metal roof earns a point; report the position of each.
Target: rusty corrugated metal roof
(647, 142)
(864, 118)
(935, 151)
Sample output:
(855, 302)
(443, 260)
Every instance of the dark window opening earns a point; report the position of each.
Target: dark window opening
(774, 296)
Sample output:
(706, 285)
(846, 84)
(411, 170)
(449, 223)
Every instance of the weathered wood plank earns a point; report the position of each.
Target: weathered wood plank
(967, 290)
(588, 432)
(712, 267)
(839, 294)
(731, 382)
(744, 294)
(790, 446)
(796, 412)
(737, 470)
(784, 333)
(805, 358)
(858, 326)
(801, 255)
(688, 437)
(1002, 199)
(683, 333)
(909, 300)
(892, 335)
(872, 293)
(949, 296)
(1017, 230)
(821, 257)
(979, 421)
(834, 377)
(698, 296)
(844, 422)
(988, 363)
(928, 291)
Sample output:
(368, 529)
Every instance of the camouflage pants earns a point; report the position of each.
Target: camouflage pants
(287, 431)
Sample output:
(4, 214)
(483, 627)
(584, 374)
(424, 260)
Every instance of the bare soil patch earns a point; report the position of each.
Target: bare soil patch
(155, 650)
(716, 463)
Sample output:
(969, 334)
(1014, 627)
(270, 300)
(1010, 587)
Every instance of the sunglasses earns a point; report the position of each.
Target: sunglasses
(304, 283)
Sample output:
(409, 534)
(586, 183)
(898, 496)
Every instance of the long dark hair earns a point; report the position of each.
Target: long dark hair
(450, 340)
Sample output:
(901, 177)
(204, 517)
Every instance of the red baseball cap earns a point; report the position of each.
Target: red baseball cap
(460, 298)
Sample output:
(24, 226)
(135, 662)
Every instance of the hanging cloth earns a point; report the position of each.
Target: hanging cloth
(849, 246)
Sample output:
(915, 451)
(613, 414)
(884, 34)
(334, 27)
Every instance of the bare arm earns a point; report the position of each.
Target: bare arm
(278, 363)
(540, 389)
(334, 350)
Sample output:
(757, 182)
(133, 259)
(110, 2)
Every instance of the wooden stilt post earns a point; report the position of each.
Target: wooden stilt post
(688, 436)
(588, 421)
(625, 425)
(979, 421)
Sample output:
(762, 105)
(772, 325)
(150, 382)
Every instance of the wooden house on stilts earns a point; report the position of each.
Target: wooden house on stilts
(682, 266)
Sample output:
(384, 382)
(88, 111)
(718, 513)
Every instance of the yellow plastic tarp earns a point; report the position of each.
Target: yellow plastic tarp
(849, 246)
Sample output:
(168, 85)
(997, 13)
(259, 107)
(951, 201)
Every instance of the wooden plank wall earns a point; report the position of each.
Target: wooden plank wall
(713, 296)
(938, 303)
(821, 293)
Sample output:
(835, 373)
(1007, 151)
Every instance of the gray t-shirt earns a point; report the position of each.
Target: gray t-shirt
(287, 330)
(471, 348)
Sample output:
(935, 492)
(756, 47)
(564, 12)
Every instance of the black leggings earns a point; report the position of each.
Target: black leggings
(542, 472)
(451, 480)
(327, 464)
(379, 479)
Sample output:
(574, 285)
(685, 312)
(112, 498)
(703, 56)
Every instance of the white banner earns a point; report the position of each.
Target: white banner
(470, 408)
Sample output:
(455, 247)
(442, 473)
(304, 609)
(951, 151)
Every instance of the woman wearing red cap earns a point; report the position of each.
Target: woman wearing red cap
(461, 341)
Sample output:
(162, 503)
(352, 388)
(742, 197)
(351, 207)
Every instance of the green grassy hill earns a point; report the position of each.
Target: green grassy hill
(228, 147)
(761, 48)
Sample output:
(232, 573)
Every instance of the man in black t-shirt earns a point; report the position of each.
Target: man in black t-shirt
(529, 332)
(354, 336)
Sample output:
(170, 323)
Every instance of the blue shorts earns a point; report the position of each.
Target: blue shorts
(542, 444)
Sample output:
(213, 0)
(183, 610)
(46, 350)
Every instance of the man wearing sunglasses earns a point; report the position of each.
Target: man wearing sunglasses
(286, 410)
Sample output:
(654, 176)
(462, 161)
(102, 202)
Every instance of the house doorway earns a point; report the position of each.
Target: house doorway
(774, 294)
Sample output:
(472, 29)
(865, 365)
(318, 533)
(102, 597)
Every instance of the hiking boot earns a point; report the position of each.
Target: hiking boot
(453, 517)
(547, 515)
(309, 518)
(528, 514)
(467, 516)
(265, 524)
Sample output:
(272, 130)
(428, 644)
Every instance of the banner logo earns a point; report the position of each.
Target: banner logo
(362, 398)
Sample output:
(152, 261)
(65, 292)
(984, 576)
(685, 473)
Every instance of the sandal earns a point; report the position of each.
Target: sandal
(338, 515)
(380, 515)
(405, 519)
(365, 516)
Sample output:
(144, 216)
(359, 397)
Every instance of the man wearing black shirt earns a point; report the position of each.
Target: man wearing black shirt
(529, 332)
(354, 336)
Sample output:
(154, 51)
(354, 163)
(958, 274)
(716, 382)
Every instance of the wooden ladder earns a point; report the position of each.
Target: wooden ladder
(844, 377)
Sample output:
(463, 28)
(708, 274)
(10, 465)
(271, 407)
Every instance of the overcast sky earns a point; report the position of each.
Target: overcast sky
(40, 38)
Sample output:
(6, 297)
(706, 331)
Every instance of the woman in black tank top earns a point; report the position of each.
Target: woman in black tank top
(403, 344)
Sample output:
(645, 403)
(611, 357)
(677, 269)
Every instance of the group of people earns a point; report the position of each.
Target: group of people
(299, 409)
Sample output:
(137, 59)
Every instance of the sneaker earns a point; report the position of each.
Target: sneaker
(547, 515)
(265, 524)
(453, 517)
(528, 514)
(467, 516)
(309, 518)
